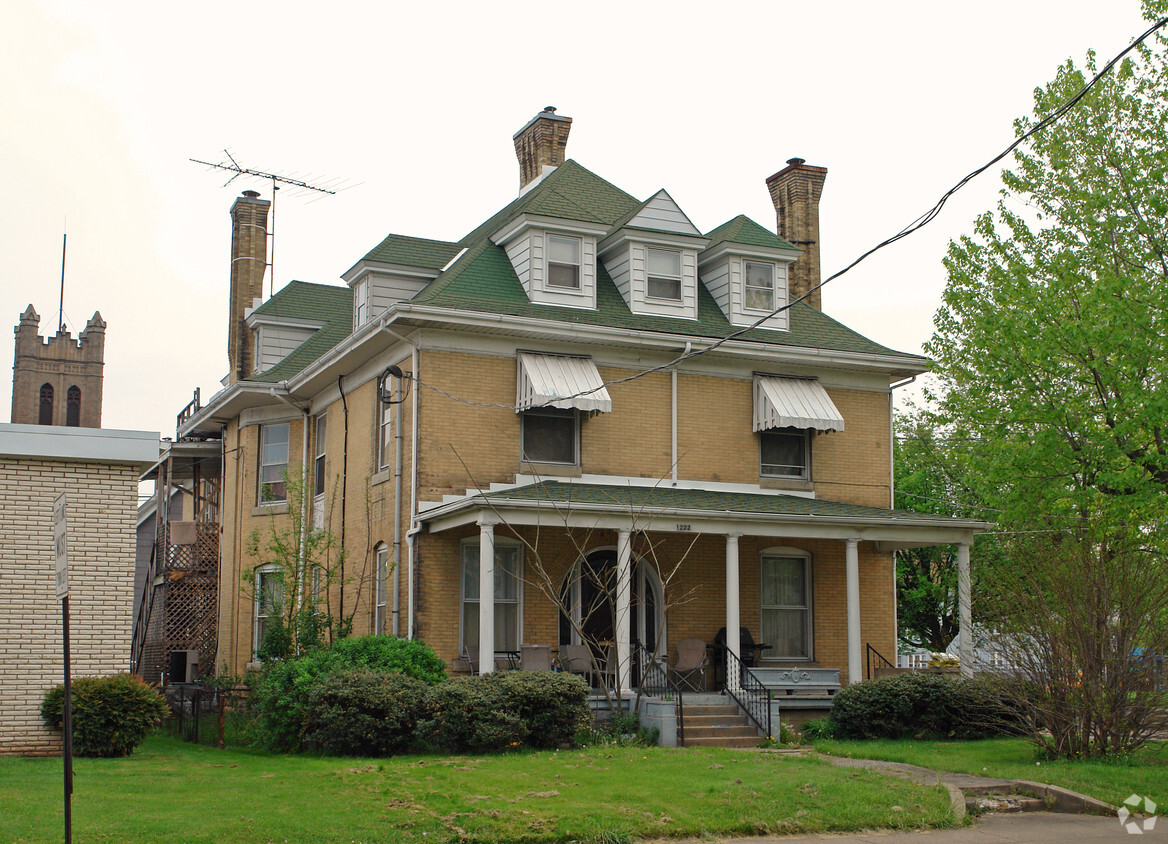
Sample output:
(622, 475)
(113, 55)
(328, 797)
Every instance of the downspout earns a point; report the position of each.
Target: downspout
(303, 550)
(344, 490)
(892, 494)
(414, 527)
(673, 377)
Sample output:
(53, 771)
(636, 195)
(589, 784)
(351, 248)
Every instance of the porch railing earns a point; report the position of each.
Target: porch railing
(656, 682)
(874, 655)
(751, 695)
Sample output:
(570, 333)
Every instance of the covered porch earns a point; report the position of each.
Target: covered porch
(813, 580)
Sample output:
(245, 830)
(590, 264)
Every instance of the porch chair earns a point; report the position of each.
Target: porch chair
(577, 659)
(691, 660)
(535, 657)
(472, 657)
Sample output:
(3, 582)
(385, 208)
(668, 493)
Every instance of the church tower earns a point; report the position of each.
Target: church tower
(58, 381)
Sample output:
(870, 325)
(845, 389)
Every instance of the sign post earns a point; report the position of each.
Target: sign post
(62, 571)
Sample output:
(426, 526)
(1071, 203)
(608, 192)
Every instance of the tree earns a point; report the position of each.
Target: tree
(1052, 338)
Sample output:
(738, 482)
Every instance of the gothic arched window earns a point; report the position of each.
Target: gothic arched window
(46, 417)
(73, 407)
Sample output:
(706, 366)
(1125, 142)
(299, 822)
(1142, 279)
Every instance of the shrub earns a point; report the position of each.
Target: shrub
(553, 705)
(364, 712)
(111, 715)
(283, 690)
(920, 706)
(819, 729)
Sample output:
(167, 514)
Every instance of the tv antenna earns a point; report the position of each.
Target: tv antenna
(277, 181)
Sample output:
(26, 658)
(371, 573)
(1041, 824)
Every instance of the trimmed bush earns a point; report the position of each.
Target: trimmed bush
(920, 706)
(111, 715)
(505, 709)
(364, 712)
(284, 688)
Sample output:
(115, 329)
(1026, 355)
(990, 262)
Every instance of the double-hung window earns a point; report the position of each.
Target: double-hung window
(360, 303)
(508, 595)
(273, 463)
(664, 267)
(785, 620)
(785, 453)
(760, 286)
(549, 435)
(318, 466)
(563, 268)
(269, 596)
(384, 435)
(380, 590)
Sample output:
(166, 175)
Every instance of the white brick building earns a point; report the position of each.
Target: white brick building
(98, 470)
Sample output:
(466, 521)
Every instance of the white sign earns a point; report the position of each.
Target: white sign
(62, 551)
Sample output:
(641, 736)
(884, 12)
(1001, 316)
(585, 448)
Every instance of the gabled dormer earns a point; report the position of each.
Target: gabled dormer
(393, 271)
(554, 258)
(746, 269)
(652, 256)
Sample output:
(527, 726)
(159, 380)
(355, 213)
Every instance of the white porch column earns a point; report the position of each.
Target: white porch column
(624, 591)
(855, 652)
(486, 595)
(964, 611)
(733, 642)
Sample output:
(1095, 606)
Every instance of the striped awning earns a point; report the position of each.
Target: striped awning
(793, 403)
(560, 381)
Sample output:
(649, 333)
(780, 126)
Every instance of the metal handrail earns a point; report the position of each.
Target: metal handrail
(657, 682)
(869, 650)
(752, 697)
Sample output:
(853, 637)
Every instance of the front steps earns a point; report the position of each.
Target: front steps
(718, 725)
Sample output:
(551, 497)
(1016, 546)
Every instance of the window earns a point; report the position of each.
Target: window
(550, 436)
(760, 286)
(785, 621)
(384, 435)
(318, 467)
(269, 595)
(508, 596)
(380, 588)
(563, 262)
(273, 463)
(360, 303)
(664, 274)
(73, 407)
(785, 454)
(46, 417)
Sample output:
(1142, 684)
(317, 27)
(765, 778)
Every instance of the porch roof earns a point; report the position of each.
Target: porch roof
(664, 507)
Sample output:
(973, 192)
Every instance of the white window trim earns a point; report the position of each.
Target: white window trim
(360, 303)
(578, 287)
(747, 286)
(806, 433)
(260, 500)
(320, 436)
(649, 275)
(259, 597)
(809, 591)
(574, 415)
(380, 584)
(384, 421)
(500, 542)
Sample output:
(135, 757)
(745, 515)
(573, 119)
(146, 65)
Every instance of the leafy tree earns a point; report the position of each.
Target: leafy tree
(1052, 338)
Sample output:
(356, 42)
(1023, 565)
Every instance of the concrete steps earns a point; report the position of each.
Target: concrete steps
(718, 725)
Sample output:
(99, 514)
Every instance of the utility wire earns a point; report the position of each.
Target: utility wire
(919, 223)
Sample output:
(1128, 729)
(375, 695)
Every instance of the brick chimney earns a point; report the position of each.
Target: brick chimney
(795, 191)
(541, 143)
(249, 261)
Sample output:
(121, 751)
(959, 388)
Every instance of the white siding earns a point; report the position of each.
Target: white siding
(725, 279)
(637, 298)
(662, 214)
(519, 252)
(716, 277)
(275, 342)
(534, 265)
(387, 290)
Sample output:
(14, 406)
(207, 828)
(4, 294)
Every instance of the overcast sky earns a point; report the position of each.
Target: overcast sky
(412, 107)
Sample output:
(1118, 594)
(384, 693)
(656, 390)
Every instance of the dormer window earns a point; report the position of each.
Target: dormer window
(563, 262)
(664, 274)
(360, 303)
(760, 286)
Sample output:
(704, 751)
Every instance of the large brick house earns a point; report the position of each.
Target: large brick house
(586, 394)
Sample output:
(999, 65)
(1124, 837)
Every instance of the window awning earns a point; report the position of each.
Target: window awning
(793, 403)
(560, 381)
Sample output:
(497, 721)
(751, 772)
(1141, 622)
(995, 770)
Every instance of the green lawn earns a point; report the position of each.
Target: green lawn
(1146, 773)
(169, 790)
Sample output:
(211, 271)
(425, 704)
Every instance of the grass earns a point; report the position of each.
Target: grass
(1144, 773)
(170, 790)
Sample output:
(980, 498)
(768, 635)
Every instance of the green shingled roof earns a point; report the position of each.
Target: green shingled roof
(413, 252)
(327, 303)
(747, 232)
(642, 498)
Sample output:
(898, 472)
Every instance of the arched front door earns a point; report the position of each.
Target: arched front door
(589, 593)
